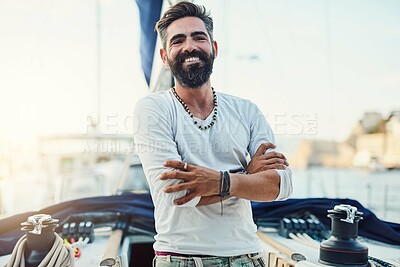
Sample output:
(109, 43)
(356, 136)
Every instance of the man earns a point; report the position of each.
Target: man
(192, 141)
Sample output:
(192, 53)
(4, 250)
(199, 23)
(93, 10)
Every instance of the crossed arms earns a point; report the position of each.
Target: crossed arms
(156, 140)
(261, 184)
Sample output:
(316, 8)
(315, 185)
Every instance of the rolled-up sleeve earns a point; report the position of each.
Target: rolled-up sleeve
(261, 132)
(285, 187)
(154, 143)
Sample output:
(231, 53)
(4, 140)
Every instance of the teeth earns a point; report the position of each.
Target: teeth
(192, 59)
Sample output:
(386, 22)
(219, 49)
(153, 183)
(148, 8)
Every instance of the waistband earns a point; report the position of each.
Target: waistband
(173, 254)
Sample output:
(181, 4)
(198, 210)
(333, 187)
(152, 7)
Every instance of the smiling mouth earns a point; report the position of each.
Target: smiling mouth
(192, 59)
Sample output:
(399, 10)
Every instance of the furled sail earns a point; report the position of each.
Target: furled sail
(149, 14)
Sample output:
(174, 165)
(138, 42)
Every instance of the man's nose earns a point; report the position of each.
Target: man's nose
(190, 45)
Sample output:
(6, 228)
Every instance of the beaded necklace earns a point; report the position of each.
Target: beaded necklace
(214, 118)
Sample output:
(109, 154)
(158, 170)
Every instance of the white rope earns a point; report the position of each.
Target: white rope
(60, 255)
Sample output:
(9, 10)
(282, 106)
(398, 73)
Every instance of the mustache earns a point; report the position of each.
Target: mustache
(195, 53)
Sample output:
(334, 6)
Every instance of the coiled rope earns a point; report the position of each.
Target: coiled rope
(60, 254)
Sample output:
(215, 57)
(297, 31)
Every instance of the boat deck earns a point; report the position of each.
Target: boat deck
(92, 253)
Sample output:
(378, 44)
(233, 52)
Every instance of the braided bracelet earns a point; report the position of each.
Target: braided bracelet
(224, 187)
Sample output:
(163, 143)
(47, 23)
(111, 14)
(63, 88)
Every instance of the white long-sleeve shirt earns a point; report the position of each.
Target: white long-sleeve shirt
(165, 131)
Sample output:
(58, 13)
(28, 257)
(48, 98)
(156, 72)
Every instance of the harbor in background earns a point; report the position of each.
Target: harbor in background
(377, 191)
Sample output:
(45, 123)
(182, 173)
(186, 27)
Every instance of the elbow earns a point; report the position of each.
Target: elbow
(275, 192)
(285, 187)
(274, 188)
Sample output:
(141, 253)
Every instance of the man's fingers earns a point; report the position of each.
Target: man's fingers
(177, 164)
(273, 161)
(280, 166)
(271, 155)
(185, 199)
(263, 147)
(175, 174)
(275, 157)
(276, 166)
(178, 187)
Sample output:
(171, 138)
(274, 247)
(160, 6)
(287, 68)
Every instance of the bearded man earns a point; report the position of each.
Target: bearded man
(192, 140)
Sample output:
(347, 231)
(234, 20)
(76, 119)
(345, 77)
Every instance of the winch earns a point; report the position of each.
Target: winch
(343, 247)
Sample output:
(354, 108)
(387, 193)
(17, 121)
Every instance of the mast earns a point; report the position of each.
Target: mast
(95, 121)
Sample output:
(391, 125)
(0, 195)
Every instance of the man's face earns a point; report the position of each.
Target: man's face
(189, 52)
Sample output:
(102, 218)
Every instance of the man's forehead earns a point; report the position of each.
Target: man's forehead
(186, 26)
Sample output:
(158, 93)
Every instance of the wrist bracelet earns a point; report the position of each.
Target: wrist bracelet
(224, 187)
(224, 184)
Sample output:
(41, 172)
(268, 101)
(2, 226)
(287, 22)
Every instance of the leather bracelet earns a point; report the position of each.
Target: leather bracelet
(227, 184)
(224, 184)
(224, 187)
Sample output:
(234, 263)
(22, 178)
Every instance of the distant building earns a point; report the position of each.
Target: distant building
(379, 141)
(393, 123)
(374, 143)
(322, 153)
(391, 157)
(372, 122)
(370, 150)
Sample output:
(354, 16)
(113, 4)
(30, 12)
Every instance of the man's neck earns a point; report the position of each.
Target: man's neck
(199, 100)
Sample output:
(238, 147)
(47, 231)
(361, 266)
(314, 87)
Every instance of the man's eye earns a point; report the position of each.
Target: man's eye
(201, 38)
(176, 42)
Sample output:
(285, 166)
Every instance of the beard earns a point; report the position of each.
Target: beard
(193, 75)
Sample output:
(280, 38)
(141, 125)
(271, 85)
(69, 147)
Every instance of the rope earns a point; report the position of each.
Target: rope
(60, 255)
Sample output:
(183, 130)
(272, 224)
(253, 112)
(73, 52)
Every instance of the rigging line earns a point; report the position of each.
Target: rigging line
(267, 37)
(98, 58)
(225, 17)
(287, 9)
(332, 121)
(40, 35)
(278, 95)
(329, 59)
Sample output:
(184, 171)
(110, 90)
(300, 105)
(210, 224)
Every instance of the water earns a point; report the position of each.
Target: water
(377, 191)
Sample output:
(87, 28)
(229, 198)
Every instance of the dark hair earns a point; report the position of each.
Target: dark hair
(181, 10)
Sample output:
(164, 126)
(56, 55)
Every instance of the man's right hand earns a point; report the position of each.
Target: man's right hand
(262, 161)
(198, 180)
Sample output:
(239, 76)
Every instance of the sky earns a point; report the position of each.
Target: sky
(312, 66)
(332, 59)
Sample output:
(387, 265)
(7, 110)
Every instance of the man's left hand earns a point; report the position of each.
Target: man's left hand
(263, 160)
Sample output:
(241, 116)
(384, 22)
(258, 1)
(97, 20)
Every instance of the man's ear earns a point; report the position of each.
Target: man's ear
(215, 47)
(163, 55)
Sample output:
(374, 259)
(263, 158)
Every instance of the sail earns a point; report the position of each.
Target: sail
(149, 11)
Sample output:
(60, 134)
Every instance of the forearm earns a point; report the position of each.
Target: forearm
(261, 186)
(205, 183)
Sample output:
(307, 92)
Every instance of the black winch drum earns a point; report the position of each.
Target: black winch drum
(343, 247)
